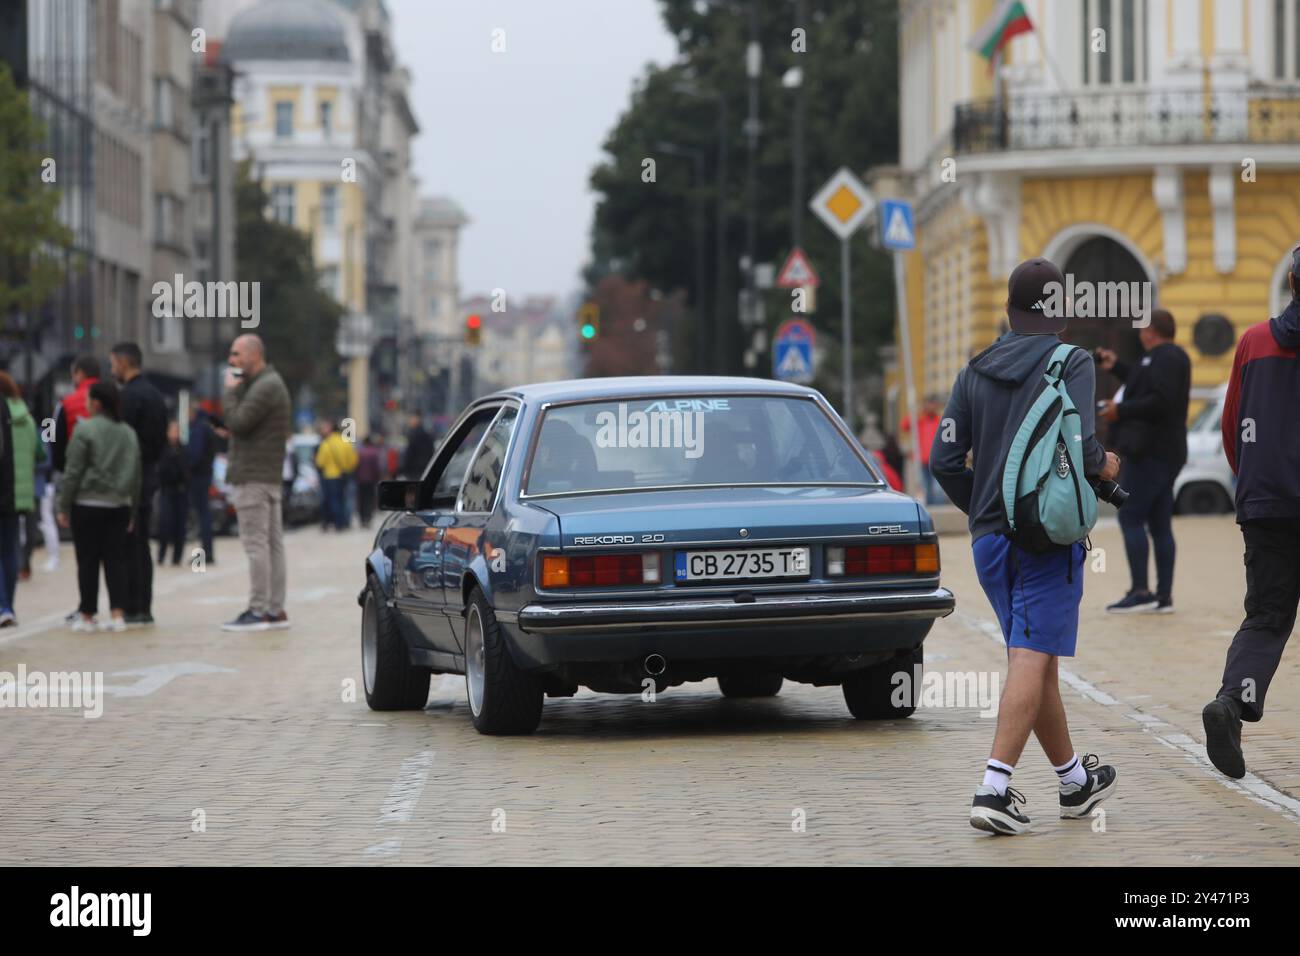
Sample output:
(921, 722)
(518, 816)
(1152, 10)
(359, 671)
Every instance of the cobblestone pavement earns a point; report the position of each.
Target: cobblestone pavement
(255, 737)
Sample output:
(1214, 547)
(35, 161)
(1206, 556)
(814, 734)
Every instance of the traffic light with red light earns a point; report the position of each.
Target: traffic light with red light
(473, 329)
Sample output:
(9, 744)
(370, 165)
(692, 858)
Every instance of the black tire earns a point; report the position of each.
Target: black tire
(396, 683)
(869, 692)
(1203, 498)
(511, 699)
(751, 685)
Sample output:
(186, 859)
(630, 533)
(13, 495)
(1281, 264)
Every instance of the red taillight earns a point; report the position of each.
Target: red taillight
(605, 569)
(600, 570)
(882, 559)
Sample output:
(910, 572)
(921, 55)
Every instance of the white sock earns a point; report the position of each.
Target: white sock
(998, 776)
(1072, 772)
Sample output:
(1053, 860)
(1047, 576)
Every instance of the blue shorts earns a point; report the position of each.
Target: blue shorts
(1035, 596)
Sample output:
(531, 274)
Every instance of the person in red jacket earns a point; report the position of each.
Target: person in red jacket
(1263, 447)
(74, 407)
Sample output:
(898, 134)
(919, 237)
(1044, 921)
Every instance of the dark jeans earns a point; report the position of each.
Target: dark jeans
(1150, 484)
(332, 503)
(8, 559)
(199, 504)
(174, 503)
(139, 560)
(99, 537)
(366, 501)
(1272, 594)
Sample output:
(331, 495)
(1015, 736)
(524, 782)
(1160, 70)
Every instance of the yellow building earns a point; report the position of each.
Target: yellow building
(1134, 141)
(300, 76)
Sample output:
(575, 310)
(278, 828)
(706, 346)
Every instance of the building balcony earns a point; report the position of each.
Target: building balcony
(1143, 117)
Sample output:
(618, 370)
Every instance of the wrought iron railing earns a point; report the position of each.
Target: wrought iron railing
(1136, 117)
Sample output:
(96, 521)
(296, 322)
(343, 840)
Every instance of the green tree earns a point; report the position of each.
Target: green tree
(31, 235)
(850, 80)
(299, 320)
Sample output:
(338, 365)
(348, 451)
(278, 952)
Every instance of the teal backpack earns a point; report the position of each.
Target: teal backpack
(1046, 498)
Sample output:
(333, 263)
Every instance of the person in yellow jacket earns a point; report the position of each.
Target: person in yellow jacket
(336, 460)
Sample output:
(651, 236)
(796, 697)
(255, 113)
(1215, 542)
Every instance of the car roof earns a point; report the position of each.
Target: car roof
(597, 388)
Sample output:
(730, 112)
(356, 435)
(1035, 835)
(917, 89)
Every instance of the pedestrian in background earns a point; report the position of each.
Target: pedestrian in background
(74, 407)
(1149, 431)
(258, 417)
(923, 439)
(145, 410)
(45, 501)
(98, 499)
(200, 453)
(369, 468)
(173, 496)
(419, 449)
(1262, 443)
(336, 459)
(22, 449)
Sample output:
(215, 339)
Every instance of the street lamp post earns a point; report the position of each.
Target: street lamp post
(722, 324)
(753, 70)
(701, 333)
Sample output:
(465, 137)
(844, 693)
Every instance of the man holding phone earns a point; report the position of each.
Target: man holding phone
(259, 416)
(1149, 431)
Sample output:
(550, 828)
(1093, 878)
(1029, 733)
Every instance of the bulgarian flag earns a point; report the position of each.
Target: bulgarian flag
(1009, 20)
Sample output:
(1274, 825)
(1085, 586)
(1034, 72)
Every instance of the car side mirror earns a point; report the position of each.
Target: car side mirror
(398, 495)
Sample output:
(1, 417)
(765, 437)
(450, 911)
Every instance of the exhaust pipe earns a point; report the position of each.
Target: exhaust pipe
(654, 664)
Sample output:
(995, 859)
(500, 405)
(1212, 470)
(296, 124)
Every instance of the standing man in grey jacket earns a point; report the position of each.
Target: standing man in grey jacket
(259, 416)
(1035, 596)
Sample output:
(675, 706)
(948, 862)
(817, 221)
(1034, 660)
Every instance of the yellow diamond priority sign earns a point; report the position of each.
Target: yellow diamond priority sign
(843, 203)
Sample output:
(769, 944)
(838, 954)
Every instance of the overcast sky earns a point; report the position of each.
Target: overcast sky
(512, 137)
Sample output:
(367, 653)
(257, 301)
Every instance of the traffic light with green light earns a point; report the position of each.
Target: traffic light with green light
(473, 329)
(589, 322)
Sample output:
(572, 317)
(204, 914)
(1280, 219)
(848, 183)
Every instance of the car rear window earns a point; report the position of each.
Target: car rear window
(677, 442)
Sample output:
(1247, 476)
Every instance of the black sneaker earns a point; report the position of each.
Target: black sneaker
(1164, 605)
(1135, 602)
(248, 621)
(1077, 800)
(997, 813)
(135, 621)
(1223, 737)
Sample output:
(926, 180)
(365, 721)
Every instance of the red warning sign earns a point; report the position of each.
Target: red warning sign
(797, 272)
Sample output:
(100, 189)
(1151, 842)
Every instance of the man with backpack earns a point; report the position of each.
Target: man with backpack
(1024, 407)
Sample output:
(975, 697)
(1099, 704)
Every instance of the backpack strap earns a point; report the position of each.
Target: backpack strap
(1055, 371)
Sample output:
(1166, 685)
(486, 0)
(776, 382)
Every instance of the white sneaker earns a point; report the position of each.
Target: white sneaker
(84, 626)
(50, 566)
(113, 624)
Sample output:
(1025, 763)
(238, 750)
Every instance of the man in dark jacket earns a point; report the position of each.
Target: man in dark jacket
(259, 415)
(1149, 429)
(419, 449)
(1262, 443)
(200, 452)
(145, 410)
(1035, 596)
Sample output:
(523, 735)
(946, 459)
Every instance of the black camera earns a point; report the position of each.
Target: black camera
(1110, 492)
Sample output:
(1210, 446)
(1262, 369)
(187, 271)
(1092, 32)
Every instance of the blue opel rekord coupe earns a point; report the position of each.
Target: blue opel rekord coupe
(610, 533)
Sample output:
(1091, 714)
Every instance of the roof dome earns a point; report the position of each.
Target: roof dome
(287, 30)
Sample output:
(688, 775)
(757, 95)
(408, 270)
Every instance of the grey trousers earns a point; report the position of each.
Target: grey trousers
(261, 532)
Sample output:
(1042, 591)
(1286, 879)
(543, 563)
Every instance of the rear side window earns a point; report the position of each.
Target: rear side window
(485, 472)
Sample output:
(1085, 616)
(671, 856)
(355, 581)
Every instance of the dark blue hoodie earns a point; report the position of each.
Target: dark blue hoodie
(1260, 436)
(989, 401)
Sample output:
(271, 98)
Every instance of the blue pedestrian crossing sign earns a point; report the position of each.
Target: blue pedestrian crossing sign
(896, 225)
(792, 351)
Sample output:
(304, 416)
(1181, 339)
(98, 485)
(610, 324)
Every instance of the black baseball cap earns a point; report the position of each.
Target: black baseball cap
(1028, 296)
